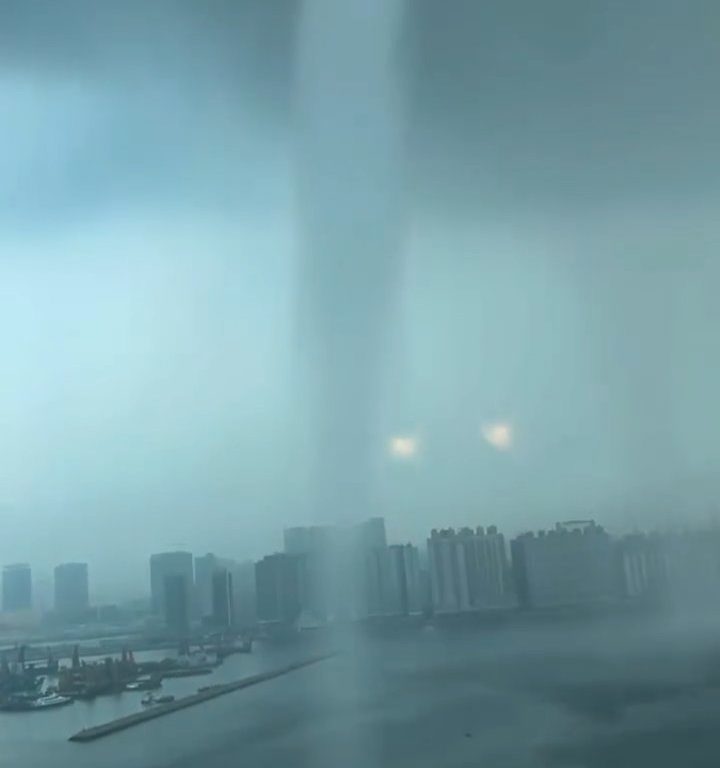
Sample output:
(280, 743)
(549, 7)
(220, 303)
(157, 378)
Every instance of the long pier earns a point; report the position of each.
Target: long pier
(212, 692)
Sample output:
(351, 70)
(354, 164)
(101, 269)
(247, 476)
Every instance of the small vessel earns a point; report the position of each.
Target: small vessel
(150, 699)
(51, 700)
(144, 684)
(25, 703)
(193, 660)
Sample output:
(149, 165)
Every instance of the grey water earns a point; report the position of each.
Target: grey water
(609, 691)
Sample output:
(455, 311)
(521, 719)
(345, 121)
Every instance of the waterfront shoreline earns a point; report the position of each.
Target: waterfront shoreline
(212, 692)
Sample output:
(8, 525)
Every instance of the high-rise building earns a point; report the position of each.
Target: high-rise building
(405, 561)
(301, 540)
(167, 564)
(572, 564)
(345, 571)
(690, 562)
(487, 567)
(641, 566)
(381, 589)
(71, 589)
(205, 568)
(277, 584)
(370, 534)
(222, 598)
(469, 569)
(17, 587)
(366, 561)
(447, 572)
(244, 594)
(176, 602)
(317, 545)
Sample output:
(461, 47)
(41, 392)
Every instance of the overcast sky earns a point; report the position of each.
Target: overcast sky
(525, 198)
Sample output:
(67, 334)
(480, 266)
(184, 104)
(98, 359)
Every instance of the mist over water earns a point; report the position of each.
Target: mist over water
(350, 188)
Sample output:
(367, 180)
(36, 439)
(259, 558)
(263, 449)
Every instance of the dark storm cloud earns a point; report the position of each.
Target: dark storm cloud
(563, 103)
(248, 37)
(140, 102)
(513, 104)
(558, 268)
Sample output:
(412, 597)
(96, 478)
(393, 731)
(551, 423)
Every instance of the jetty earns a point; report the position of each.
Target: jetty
(206, 694)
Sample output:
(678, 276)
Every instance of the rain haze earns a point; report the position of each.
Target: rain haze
(354, 296)
(508, 268)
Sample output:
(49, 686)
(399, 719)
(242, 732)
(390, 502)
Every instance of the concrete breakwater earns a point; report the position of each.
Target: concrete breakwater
(211, 692)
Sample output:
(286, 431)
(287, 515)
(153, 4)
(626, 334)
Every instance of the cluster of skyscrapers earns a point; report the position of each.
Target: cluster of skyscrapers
(215, 592)
(330, 573)
(72, 598)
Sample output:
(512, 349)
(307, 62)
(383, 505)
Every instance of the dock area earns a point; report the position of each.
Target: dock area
(211, 692)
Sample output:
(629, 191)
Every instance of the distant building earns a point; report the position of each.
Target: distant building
(370, 534)
(405, 561)
(277, 584)
(691, 569)
(205, 568)
(345, 572)
(641, 567)
(71, 589)
(244, 594)
(162, 566)
(570, 565)
(318, 546)
(381, 593)
(176, 602)
(370, 586)
(17, 587)
(222, 598)
(448, 580)
(469, 570)
(308, 538)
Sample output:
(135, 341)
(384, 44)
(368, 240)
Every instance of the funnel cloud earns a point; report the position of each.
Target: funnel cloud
(246, 245)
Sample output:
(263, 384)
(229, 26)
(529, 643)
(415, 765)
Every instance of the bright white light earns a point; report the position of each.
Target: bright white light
(499, 435)
(403, 446)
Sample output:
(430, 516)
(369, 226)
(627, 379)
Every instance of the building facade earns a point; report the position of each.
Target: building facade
(17, 587)
(469, 570)
(176, 602)
(641, 567)
(570, 565)
(222, 599)
(277, 585)
(345, 571)
(318, 548)
(205, 568)
(691, 569)
(405, 561)
(244, 594)
(163, 566)
(72, 594)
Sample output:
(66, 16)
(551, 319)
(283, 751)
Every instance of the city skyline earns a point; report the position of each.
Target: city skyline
(546, 278)
(199, 598)
(109, 590)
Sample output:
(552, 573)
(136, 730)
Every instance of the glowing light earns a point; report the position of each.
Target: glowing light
(499, 435)
(403, 446)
